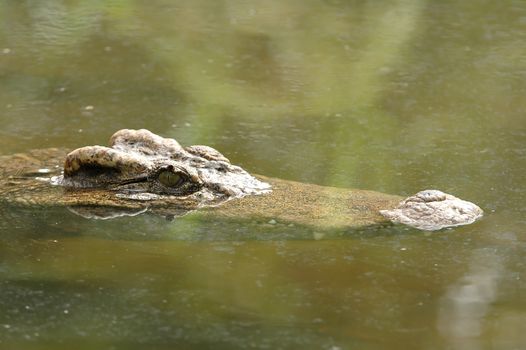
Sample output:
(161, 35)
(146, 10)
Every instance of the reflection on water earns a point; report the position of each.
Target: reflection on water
(466, 303)
(389, 96)
(467, 310)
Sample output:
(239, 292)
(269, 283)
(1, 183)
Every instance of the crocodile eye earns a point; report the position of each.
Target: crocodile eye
(170, 179)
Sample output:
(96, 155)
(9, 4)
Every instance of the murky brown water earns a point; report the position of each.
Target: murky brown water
(390, 96)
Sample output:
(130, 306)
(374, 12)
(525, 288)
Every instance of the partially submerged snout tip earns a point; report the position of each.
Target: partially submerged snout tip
(432, 210)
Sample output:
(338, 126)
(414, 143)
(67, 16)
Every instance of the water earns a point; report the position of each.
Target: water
(389, 96)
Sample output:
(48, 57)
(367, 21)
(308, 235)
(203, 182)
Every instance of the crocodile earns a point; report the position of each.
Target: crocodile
(143, 172)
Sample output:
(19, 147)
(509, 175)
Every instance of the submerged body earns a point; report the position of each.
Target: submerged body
(141, 171)
(21, 183)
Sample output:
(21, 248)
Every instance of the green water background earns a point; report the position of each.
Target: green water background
(392, 96)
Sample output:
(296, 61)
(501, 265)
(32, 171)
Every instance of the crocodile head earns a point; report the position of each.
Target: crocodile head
(140, 165)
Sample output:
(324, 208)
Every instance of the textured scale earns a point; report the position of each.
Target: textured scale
(432, 210)
(98, 182)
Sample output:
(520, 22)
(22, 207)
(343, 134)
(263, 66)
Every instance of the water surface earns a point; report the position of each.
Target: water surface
(388, 96)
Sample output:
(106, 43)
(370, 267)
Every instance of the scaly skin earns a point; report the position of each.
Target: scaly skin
(289, 201)
(130, 177)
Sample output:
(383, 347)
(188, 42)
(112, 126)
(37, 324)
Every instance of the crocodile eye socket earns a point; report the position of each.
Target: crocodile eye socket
(170, 179)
